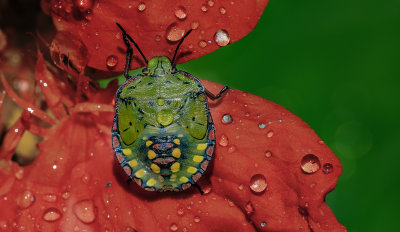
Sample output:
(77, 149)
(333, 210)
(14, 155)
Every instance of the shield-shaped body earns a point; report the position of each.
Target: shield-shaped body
(163, 134)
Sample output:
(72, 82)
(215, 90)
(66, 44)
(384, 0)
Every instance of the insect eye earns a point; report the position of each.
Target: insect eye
(145, 71)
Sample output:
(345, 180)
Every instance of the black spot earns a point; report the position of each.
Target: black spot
(132, 87)
(151, 103)
(150, 83)
(168, 82)
(130, 123)
(137, 131)
(168, 102)
(193, 119)
(186, 82)
(141, 111)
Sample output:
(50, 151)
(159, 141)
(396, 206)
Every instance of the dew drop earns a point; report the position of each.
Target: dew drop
(240, 187)
(310, 164)
(226, 118)
(263, 224)
(261, 125)
(83, 5)
(207, 188)
(249, 208)
(173, 227)
(210, 3)
(202, 44)
(66, 195)
(258, 184)
(180, 12)
(50, 197)
(85, 211)
(158, 38)
(204, 8)
(268, 154)
(196, 219)
(270, 134)
(111, 61)
(51, 215)
(231, 149)
(222, 10)
(141, 7)
(97, 46)
(174, 33)
(25, 199)
(327, 168)
(222, 38)
(223, 141)
(181, 212)
(194, 25)
(19, 174)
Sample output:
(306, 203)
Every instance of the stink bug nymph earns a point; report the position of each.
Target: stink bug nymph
(163, 135)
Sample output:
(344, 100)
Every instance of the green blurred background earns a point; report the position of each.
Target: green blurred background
(336, 65)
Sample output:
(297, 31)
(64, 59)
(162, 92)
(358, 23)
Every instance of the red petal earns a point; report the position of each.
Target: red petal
(155, 25)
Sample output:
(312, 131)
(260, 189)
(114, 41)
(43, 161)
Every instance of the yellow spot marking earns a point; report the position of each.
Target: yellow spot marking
(177, 141)
(176, 153)
(202, 146)
(151, 154)
(192, 170)
(198, 158)
(151, 182)
(175, 167)
(183, 179)
(155, 168)
(148, 143)
(133, 163)
(180, 135)
(161, 101)
(127, 151)
(172, 177)
(165, 117)
(141, 173)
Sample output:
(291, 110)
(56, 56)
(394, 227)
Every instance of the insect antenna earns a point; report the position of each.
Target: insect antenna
(179, 44)
(124, 34)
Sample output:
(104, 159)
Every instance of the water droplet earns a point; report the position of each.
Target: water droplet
(268, 154)
(85, 211)
(327, 168)
(180, 12)
(202, 44)
(174, 33)
(50, 197)
(51, 215)
(310, 164)
(196, 219)
(258, 184)
(129, 5)
(231, 149)
(158, 38)
(222, 38)
(85, 179)
(181, 212)
(270, 134)
(261, 125)
(194, 25)
(141, 7)
(240, 187)
(222, 10)
(25, 199)
(210, 3)
(263, 224)
(223, 141)
(19, 174)
(226, 118)
(66, 195)
(111, 61)
(249, 208)
(173, 227)
(84, 5)
(97, 46)
(204, 8)
(89, 15)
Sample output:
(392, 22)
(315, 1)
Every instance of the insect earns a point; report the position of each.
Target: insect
(163, 135)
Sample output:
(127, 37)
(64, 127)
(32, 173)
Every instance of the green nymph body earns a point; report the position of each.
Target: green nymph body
(163, 135)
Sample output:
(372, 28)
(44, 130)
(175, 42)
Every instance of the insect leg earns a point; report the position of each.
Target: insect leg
(214, 97)
(199, 188)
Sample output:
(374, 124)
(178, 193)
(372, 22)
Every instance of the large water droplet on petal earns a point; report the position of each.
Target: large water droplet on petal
(173, 227)
(222, 38)
(51, 215)
(180, 12)
(310, 164)
(141, 7)
(258, 184)
(223, 141)
(226, 118)
(111, 61)
(174, 33)
(327, 168)
(85, 211)
(25, 199)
